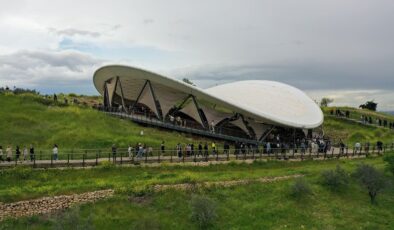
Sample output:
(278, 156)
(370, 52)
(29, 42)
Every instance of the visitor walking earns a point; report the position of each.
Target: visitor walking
(25, 153)
(179, 150)
(162, 147)
(206, 149)
(1, 154)
(130, 151)
(8, 151)
(199, 149)
(31, 153)
(55, 152)
(113, 149)
(17, 153)
(213, 146)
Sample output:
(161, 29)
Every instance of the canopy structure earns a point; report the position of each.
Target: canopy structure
(251, 107)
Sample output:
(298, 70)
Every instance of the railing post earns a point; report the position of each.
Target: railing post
(228, 154)
(83, 160)
(332, 153)
(183, 156)
(171, 155)
(72, 154)
(40, 155)
(51, 160)
(68, 159)
(158, 155)
(34, 161)
(293, 152)
(16, 160)
(347, 152)
(146, 156)
(97, 157)
(121, 157)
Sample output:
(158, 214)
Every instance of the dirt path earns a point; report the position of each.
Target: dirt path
(50, 204)
(190, 186)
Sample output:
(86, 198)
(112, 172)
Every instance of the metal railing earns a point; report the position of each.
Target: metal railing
(83, 158)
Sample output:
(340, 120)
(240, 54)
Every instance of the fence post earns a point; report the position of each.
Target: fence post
(40, 155)
(16, 160)
(347, 152)
(332, 153)
(183, 156)
(217, 155)
(68, 159)
(146, 156)
(171, 155)
(158, 156)
(83, 160)
(228, 154)
(293, 151)
(121, 157)
(72, 154)
(51, 160)
(34, 161)
(97, 157)
(253, 153)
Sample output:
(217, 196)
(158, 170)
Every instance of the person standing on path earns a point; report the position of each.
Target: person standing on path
(55, 152)
(162, 147)
(25, 153)
(130, 151)
(9, 153)
(31, 152)
(113, 152)
(17, 153)
(1, 154)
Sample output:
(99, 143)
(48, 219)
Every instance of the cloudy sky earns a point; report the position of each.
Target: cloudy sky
(340, 49)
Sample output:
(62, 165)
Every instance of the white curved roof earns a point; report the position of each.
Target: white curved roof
(264, 101)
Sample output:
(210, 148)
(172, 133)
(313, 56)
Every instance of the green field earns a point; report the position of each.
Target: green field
(252, 206)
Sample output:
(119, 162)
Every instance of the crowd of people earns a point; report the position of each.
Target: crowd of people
(365, 119)
(24, 154)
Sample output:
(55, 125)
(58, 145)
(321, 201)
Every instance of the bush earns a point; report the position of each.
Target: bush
(21, 172)
(336, 179)
(390, 161)
(203, 211)
(106, 165)
(371, 179)
(300, 188)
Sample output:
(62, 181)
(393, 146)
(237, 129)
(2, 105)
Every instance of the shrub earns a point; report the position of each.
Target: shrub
(371, 179)
(390, 161)
(300, 188)
(203, 211)
(21, 172)
(336, 179)
(106, 165)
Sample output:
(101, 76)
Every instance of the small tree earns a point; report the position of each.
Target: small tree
(390, 161)
(336, 179)
(370, 105)
(203, 211)
(325, 101)
(300, 188)
(371, 179)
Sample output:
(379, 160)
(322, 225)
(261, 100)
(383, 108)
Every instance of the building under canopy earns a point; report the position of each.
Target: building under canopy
(248, 109)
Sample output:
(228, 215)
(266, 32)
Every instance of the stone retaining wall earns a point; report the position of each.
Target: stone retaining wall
(50, 204)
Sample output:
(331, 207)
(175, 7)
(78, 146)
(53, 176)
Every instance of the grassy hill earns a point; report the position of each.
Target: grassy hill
(352, 132)
(32, 119)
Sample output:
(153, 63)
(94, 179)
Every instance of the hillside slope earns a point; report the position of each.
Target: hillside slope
(29, 119)
(353, 131)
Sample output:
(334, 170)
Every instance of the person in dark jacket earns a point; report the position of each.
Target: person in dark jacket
(17, 153)
(31, 150)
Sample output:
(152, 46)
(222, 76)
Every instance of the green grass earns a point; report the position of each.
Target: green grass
(27, 119)
(253, 206)
(351, 132)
